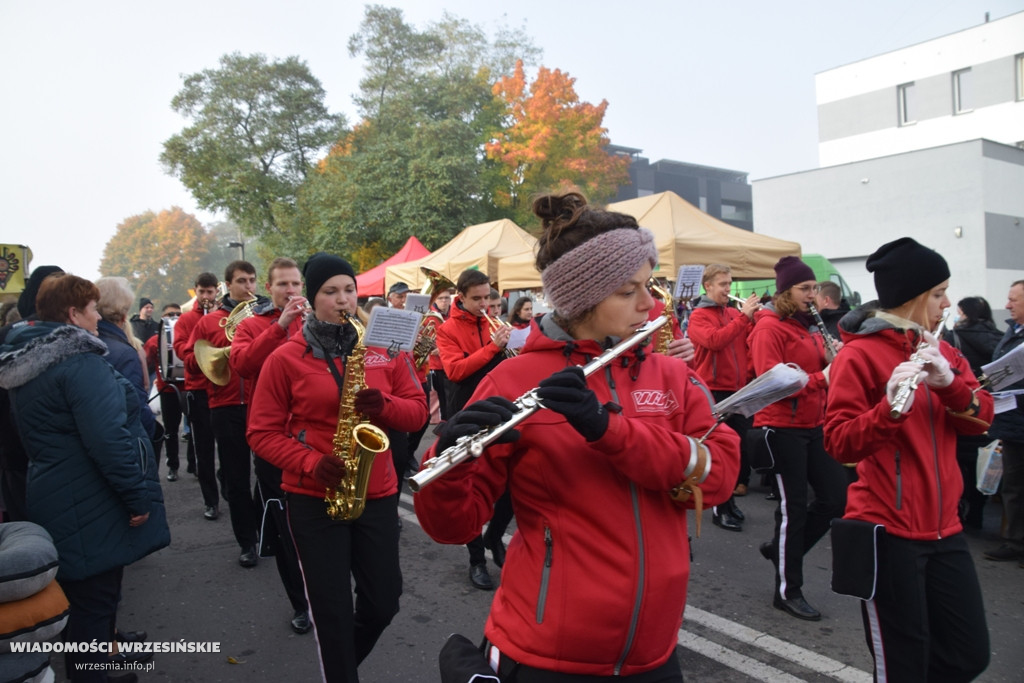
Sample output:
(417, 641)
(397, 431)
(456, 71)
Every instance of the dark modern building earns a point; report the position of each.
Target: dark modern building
(719, 192)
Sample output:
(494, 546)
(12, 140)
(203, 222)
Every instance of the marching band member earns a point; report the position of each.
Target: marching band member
(294, 419)
(228, 405)
(197, 399)
(470, 349)
(793, 434)
(594, 582)
(170, 393)
(271, 325)
(719, 331)
(926, 621)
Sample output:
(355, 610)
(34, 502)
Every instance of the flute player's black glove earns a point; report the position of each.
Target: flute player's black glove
(566, 392)
(490, 412)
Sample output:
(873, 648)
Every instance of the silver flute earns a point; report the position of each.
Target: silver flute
(908, 386)
(473, 445)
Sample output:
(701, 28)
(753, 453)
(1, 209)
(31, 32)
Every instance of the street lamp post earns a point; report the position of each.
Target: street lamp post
(238, 245)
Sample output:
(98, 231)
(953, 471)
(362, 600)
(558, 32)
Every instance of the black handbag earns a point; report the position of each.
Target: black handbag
(856, 547)
(461, 661)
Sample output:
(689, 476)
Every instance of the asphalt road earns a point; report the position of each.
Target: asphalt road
(196, 591)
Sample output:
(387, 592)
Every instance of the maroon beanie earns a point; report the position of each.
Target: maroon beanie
(791, 271)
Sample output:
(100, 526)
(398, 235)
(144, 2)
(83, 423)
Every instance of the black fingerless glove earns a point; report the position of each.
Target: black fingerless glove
(489, 412)
(566, 392)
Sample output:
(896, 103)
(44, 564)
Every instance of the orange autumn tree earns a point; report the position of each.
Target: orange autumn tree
(551, 142)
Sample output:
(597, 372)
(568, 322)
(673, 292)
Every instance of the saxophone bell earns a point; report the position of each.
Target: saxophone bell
(356, 441)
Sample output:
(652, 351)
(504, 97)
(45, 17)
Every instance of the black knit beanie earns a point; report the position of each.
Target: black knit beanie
(27, 300)
(905, 269)
(320, 268)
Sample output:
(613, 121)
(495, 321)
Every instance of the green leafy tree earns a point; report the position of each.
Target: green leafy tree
(256, 129)
(414, 165)
(159, 253)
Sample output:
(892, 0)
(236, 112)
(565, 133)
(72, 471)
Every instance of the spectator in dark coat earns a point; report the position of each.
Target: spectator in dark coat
(13, 461)
(127, 358)
(92, 483)
(976, 336)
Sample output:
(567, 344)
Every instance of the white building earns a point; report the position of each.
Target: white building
(963, 86)
(925, 142)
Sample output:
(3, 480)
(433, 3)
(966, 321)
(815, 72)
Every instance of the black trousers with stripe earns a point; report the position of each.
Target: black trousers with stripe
(927, 621)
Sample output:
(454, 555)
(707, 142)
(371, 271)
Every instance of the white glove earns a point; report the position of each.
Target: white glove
(937, 367)
(904, 371)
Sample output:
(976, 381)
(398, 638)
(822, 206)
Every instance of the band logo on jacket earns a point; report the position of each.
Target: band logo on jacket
(655, 401)
(375, 359)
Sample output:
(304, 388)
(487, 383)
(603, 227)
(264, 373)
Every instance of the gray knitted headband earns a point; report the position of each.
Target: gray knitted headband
(586, 275)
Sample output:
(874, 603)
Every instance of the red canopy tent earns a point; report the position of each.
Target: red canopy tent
(371, 283)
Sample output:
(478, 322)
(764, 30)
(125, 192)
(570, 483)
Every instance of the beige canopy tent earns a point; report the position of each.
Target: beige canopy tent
(471, 248)
(685, 235)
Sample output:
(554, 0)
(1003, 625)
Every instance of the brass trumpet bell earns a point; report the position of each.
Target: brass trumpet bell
(213, 361)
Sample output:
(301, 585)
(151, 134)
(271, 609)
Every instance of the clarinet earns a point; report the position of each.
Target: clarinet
(830, 342)
(473, 445)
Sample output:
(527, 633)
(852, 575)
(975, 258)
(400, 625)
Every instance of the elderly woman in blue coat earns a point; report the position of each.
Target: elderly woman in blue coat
(92, 476)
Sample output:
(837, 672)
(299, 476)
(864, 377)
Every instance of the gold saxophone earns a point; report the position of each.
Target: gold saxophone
(356, 441)
(664, 336)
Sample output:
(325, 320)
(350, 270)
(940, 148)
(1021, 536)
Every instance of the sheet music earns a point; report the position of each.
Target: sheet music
(417, 302)
(1006, 371)
(517, 339)
(392, 329)
(781, 381)
(688, 281)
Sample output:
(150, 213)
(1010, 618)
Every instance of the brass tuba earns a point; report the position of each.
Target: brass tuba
(356, 441)
(426, 338)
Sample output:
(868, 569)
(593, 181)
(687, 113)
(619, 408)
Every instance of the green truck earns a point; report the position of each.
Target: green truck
(823, 270)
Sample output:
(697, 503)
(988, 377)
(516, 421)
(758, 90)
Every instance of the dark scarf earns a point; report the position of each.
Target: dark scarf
(331, 340)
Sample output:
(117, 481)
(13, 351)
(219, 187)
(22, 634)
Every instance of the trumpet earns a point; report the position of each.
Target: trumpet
(496, 325)
(473, 445)
(740, 302)
(908, 386)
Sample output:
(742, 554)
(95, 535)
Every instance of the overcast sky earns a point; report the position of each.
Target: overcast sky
(87, 86)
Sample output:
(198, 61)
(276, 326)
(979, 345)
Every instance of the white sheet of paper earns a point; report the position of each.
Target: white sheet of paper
(392, 329)
(417, 302)
(1007, 370)
(688, 281)
(1005, 401)
(517, 339)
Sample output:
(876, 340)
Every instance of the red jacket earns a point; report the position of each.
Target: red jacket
(209, 328)
(255, 339)
(152, 350)
(785, 340)
(907, 473)
(194, 378)
(294, 413)
(595, 577)
(719, 335)
(464, 344)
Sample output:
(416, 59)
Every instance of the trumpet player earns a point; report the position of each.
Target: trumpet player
(470, 348)
(197, 399)
(925, 620)
(594, 583)
(831, 305)
(271, 325)
(296, 415)
(719, 333)
(228, 403)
